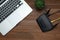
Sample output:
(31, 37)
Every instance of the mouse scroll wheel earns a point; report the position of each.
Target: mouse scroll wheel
(2, 1)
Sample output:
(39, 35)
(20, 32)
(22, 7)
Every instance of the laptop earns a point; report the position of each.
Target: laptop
(11, 13)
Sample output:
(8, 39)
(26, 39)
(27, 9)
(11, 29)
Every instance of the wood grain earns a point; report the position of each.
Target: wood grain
(28, 29)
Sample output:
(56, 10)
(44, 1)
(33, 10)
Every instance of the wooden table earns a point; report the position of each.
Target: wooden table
(28, 29)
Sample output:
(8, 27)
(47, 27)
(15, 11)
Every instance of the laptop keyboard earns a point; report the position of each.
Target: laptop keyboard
(9, 7)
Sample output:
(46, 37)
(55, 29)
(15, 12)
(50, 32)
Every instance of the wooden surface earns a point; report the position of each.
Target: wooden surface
(28, 29)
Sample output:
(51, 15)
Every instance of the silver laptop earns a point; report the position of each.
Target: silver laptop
(11, 13)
